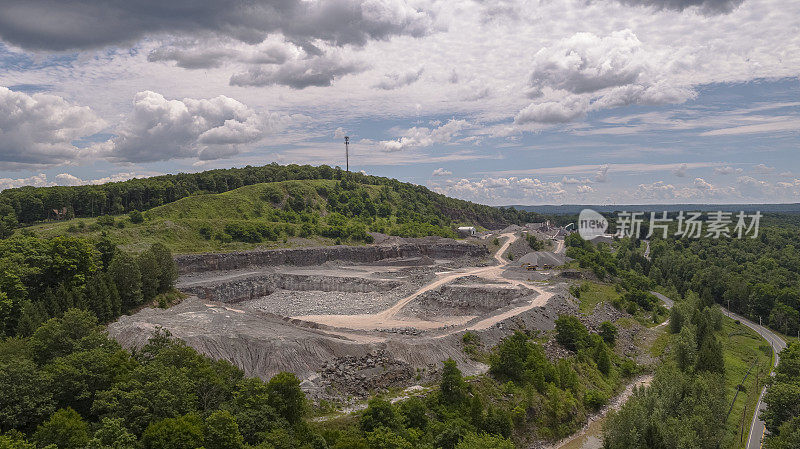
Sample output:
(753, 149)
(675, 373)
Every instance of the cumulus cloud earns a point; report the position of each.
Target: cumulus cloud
(441, 172)
(395, 81)
(680, 171)
(39, 129)
(763, 169)
(726, 170)
(420, 136)
(80, 24)
(563, 111)
(494, 190)
(702, 184)
(159, 129)
(583, 189)
(586, 72)
(298, 74)
(587, 63)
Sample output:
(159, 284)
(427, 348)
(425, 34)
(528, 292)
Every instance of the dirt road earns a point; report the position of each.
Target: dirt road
(390, 319)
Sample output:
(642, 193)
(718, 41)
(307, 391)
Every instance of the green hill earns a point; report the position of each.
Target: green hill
(285, 213)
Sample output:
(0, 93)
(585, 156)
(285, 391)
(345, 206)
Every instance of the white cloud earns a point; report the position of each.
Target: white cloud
(566, 110)
(680, 171)
(39, 130)
(159, 129)
(763, 169)
(504, 190)
(424, 137)
(585, 63)
(441, 172)
(702, 184)
(65, 179)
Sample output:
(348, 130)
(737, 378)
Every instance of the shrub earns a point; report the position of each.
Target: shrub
(136, 216)
(609, 332)
(571, 333)
(205, 231)
(594, 399)
(105, 220)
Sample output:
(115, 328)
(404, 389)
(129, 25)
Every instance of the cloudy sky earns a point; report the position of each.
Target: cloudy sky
(501, 102)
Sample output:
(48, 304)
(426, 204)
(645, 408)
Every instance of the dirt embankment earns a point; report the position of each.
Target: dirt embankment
(432, 247)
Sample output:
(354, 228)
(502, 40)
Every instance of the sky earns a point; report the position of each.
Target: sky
(499, 102)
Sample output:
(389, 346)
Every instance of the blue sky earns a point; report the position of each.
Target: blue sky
(513, 102)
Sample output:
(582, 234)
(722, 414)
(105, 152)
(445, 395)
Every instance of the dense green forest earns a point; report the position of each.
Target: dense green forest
(755, 277)
(42, 278)
(685, 406)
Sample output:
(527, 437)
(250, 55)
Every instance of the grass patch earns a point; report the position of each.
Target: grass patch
(742, 349)
(593, 293)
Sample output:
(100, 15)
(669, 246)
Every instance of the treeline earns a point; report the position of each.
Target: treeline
(69, 386)
(32, 204)
(782, 416)
(43, 278)
(685, 405)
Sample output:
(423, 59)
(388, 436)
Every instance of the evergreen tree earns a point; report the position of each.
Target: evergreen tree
(453, 388)
(99, 298)
(167, 270)
(127, 278)
(148, 267)
(710, 357)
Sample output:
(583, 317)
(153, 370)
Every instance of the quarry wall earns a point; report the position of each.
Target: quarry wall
(440, 248)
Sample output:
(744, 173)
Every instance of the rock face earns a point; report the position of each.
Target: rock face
(254, 286)
(436, 248)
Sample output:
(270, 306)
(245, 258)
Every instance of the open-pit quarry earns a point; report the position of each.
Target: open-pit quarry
(349, 320)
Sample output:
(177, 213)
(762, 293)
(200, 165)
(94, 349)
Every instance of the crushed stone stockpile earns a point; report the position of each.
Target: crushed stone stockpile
(543, 258)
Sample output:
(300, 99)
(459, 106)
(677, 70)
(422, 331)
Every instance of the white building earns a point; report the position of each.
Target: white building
(466, 231)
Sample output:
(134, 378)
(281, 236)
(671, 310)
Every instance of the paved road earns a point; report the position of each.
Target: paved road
(667, 302)
(757, 427)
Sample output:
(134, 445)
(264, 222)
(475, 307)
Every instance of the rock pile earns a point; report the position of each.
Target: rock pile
(361, 376)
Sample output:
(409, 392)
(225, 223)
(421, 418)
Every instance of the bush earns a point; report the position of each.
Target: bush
(206, 232)
(609, 332)
(571, 333)
(105, 220)
(136, 216)
(594, 399)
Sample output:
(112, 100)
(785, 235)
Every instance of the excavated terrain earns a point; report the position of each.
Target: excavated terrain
(352, 320)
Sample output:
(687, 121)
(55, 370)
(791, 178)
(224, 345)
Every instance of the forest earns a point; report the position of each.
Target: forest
(43, 278)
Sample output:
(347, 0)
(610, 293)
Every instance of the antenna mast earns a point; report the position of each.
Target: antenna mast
(347, 151)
